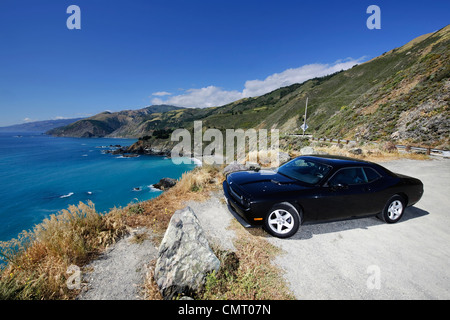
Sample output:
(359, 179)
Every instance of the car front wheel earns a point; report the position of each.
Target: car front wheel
(282, 221)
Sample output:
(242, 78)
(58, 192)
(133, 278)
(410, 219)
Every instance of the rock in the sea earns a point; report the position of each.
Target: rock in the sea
(165, 183)
(184, 257)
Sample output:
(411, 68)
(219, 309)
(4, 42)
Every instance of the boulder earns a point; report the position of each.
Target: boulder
(283, 157)
(307, 150)
(356, 151)
(165, 183)
(233, 167)
(184, 257)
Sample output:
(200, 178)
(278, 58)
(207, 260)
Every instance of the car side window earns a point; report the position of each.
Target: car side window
(348, 176)
(371, 174)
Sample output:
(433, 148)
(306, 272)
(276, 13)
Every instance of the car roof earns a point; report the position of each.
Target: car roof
(336, 160)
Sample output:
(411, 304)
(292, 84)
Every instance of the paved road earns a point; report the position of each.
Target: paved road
(368, 259)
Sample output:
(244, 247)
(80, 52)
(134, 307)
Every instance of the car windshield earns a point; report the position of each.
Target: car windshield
(304, 170)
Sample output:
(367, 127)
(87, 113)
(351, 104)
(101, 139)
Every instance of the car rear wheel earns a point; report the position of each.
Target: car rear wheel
(393, 210)
(282, 221)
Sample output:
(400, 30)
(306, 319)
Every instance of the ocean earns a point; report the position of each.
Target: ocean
(41, 175)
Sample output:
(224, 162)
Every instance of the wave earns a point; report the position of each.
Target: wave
(153, 189)
(67, 195)
(197, 162)
(128, 156)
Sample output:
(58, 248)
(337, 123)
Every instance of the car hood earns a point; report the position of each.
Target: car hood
(263, 182)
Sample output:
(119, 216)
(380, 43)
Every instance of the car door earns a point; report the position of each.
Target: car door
(345, 194)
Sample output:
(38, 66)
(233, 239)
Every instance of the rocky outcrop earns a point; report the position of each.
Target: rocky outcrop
(165, 183)
(307, 151)
(184, 258)
(157, 147)
(233, 167)
(283, 157)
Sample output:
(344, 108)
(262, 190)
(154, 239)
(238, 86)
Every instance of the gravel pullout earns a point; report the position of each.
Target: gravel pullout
(119, 273)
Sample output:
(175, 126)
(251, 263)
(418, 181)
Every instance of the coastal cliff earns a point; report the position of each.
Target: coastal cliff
(159, 147)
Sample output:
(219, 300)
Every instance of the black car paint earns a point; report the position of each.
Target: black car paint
(256, 192)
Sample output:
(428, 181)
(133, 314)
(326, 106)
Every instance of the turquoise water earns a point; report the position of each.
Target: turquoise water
(41, 175)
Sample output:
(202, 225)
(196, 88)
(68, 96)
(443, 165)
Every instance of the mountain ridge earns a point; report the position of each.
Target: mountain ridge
(401, 95)
(124, 123)
(38, 126)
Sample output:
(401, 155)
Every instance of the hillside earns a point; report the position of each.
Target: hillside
(38, 126)
(401, 95)
(128, 123)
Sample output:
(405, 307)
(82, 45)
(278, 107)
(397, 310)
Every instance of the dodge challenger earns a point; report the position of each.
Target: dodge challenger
(311, 189)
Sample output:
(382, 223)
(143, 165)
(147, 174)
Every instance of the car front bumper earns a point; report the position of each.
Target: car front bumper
(244, 215)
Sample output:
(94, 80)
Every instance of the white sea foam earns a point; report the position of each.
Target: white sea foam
(153, 189)
(67, 195)
(197, 162)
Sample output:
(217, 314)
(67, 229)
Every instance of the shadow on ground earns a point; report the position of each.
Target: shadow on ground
(309, 230)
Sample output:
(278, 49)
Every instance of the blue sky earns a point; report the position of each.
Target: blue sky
(131, 54)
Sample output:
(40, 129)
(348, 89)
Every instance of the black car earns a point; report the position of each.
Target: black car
(319, 188)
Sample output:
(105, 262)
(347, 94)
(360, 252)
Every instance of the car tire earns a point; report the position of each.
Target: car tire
(282, 220)
(393, 210)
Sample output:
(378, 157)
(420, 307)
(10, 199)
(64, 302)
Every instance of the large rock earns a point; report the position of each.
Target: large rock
(165, 183)
(233, 167)
(184, 257)
(356, 151)
(307, 151)
(283, 157)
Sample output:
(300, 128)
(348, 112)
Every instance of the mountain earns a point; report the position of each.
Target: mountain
(128, 123)
(401, 96)
(38, 126)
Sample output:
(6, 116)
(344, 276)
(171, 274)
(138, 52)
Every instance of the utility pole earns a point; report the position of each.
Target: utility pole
(305, 126)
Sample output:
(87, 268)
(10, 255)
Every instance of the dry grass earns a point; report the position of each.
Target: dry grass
(151, 291)
(38, 260)
(156, 213)
(375, 153)
(247, 274)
